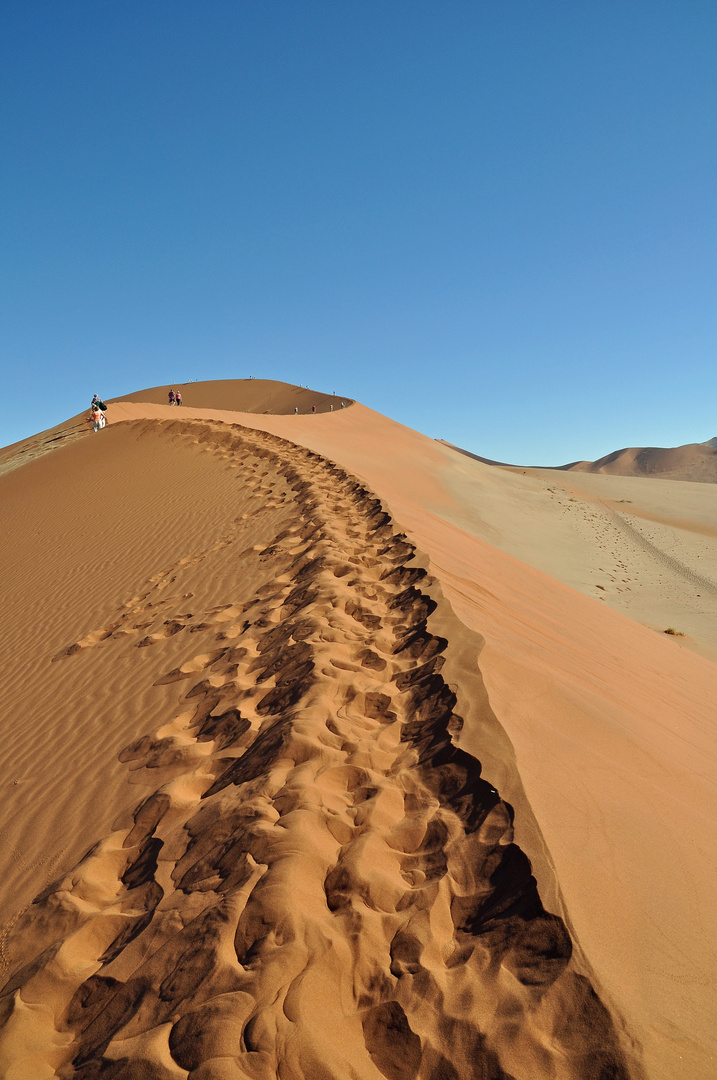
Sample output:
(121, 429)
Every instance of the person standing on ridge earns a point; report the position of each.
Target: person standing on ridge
(178, 397)
(313, 408)
(172, 397)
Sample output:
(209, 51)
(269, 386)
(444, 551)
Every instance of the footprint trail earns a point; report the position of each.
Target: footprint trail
(319, 884)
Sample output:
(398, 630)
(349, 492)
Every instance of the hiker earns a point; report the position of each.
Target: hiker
(313, 408)
(296, 409)
(342, 405)
(331, 407)
(97, 418)
(172, 397)
(178, 397)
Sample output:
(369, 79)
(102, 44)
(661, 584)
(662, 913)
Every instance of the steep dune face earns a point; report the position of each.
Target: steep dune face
(614, 732)
(317, 882)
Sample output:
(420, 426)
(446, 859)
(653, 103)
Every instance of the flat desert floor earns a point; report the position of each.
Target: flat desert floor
(330, 752)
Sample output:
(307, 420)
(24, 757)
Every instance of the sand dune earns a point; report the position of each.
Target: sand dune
(696, 462)
(644, 547)
(244, 395)
(336, 827)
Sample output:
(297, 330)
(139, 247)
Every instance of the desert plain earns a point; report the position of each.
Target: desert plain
(331, 752)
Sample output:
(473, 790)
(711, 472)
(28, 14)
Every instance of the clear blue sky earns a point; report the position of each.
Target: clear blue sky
(492, 220)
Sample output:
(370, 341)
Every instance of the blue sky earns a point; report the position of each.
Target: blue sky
(492, 220)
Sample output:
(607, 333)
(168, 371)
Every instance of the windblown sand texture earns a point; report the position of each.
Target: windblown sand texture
(264, 815)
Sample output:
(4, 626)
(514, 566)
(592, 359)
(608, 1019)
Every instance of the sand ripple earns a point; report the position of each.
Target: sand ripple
(319, 883)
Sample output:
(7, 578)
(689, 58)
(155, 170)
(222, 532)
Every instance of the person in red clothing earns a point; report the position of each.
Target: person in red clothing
(178, 397)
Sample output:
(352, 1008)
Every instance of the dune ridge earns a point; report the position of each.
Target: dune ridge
(264, 396)
(320, 882)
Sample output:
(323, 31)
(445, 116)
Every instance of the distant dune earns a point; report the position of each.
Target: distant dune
(694, 461)
(303, 778)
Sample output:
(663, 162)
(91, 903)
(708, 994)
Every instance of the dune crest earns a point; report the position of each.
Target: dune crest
(319, 883)
(264, 396)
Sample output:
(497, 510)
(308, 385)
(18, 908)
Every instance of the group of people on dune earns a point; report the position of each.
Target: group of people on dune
(313, 408)
(175, 398)
(98, 408)
(97, 413)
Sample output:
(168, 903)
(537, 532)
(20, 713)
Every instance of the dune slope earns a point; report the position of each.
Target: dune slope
(644, 546)
(313, 880)
(613, 726)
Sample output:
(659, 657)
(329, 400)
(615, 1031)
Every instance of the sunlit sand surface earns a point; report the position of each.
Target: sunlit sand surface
(330, 752)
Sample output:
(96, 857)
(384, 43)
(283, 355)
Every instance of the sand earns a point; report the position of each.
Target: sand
(694, 462)
(314, 781)
(645, 547)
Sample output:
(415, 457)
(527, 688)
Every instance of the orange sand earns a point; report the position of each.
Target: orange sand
(218, 622)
